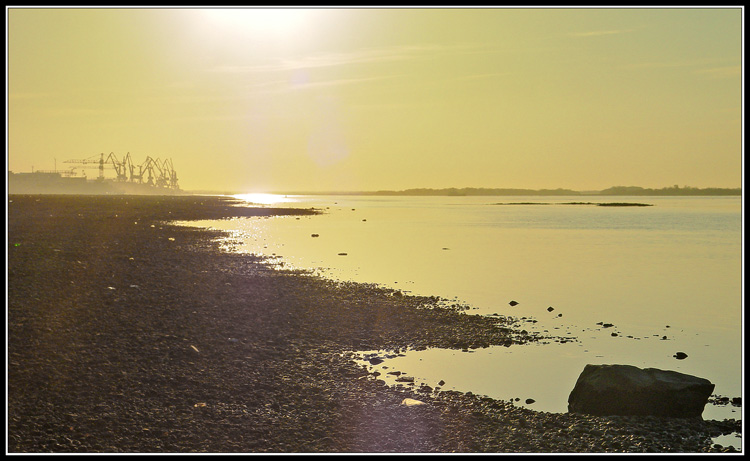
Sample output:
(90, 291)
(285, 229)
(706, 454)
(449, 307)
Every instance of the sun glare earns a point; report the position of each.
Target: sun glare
(260, 20)
(264, 199)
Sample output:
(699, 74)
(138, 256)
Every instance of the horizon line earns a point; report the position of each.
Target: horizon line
(487, 190)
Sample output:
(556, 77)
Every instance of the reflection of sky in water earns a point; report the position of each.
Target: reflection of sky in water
(730, 440)
(677, 263)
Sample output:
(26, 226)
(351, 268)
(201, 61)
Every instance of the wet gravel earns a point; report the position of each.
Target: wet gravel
(129, 335)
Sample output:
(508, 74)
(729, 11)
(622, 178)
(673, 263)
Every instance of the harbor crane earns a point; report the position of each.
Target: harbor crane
(161, 173)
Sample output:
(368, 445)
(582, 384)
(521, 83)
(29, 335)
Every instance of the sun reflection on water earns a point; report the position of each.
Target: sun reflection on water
(264, 199)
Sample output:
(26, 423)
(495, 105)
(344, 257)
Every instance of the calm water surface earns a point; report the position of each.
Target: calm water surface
(667, 277)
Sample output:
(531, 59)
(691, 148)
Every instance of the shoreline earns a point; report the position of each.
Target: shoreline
(127, 334)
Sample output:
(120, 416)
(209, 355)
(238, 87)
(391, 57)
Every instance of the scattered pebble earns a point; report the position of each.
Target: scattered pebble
(412, 402)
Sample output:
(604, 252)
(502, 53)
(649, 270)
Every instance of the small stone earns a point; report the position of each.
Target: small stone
(513, 303)
(550, 309)
(375, 360)
(680, 355)
(441, 383)
(530, 401)
(315, 235)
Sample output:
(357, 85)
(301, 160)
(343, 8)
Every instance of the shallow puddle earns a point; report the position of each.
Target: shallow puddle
(541, 374)
(731, 440)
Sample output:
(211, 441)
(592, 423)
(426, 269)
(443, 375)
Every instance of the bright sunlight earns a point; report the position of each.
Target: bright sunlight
(261, 20)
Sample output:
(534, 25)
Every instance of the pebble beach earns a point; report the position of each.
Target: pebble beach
(130, 335)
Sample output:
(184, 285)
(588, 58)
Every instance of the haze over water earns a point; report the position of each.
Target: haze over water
(672, 270)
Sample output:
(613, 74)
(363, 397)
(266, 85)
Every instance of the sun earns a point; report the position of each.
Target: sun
(265, 21)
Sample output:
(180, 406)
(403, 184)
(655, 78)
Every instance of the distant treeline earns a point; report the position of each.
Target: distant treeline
(618, 190)
(467, 191)
(674, 190)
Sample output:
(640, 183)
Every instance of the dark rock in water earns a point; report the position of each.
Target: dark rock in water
(627, 390)
(680, 355)
(530, 401)
(550, 309)
(607, 325)
(342, 254)
(375, 360)
(315, 235)
(737, 401)
(513, 303)
(441, 383)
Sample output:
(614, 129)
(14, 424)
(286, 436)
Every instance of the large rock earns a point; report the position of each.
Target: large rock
(628, 390)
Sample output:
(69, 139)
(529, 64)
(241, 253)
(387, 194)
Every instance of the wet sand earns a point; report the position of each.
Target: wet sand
(128, 335)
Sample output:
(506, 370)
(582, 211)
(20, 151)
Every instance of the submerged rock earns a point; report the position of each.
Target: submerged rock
(513, 303)
(628, 390)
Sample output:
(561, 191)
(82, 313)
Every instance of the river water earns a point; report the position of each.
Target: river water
(667, 277)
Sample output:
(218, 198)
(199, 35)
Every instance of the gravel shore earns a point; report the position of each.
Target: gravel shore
(129, 335)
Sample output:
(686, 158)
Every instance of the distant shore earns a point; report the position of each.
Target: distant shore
(130, 335)
(498, 192)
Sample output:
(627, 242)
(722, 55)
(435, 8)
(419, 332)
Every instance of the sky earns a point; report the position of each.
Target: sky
(362, 99)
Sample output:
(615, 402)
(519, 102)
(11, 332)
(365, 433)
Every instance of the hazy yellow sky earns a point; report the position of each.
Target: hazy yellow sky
(369, 99)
